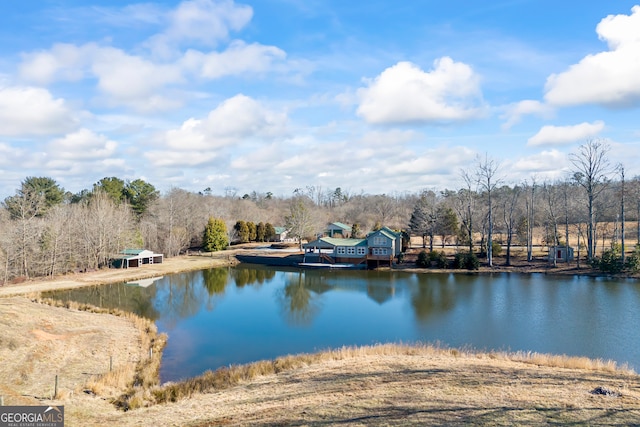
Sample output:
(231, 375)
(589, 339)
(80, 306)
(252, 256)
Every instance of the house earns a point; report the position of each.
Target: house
(384, 245)
(562, 253)
(136, 258)
(281, 235)
(380, 247)
(338, 228)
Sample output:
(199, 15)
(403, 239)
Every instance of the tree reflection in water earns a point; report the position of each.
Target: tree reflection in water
(215, 280)
(435, 294)
(301, 298)
(254, 275)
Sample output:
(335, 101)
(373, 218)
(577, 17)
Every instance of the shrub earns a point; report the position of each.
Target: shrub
(423, 260)
(466, 260)
(438, 258)
(496, 248)
(633, 261)
(610, 261)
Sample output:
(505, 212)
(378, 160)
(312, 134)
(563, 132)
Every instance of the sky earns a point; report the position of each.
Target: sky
(374, 97)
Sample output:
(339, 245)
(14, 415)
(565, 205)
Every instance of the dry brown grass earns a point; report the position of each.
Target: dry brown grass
(228, 377)
(128, 385)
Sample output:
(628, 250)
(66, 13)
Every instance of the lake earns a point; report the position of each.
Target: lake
(224, 316)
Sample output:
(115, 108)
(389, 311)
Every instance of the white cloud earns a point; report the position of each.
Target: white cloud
(133, 81)
(202, 21)
(11, 156)
(565, 134)
(62, 62)
(238, 58)
(548, 164)
(82, 145)
(234, 122)
(609, 78)
(514, 112)
(33, 111)
(192, 158)
(405, 93)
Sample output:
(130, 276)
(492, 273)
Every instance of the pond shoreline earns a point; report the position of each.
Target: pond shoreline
(250, 254)
(369, 385)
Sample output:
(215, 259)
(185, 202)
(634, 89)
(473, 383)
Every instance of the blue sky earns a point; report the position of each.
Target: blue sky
(273, 95)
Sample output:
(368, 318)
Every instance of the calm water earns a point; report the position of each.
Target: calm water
(227, 316)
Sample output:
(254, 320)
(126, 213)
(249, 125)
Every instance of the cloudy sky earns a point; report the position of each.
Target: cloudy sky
(373, 96)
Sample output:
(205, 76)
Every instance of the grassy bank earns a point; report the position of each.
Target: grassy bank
(384, 384)
(374, 385)
(400, 385)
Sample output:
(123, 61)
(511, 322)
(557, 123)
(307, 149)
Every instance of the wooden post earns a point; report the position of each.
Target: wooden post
(55, 388)
(1, 400)
(110, 363)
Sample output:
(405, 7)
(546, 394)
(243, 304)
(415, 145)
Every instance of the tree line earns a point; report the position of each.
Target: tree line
(45, 230)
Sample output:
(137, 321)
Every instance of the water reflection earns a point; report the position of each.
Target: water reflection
(134, 299)
(301, 297)
(254, 275)
(434, 295)
(221, 316)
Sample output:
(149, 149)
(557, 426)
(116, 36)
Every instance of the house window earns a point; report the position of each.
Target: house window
(379, 240)
(362, 250)
(351, 251)
(340, 250)
(379, 251)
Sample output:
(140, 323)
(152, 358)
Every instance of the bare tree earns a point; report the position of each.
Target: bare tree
(509, 205)
(551, 205)
(486, 176)
(530, 203)
(591, 170)
(622, 218)
(301, 221)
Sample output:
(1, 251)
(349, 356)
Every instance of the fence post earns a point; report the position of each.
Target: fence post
(55, 388)
(110, 363)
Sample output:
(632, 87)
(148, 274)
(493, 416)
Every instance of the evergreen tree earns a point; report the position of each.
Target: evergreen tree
(260, 232)
(140, 194)
(269, 232)
(419, 223)
(253, 231)
(215, 235)
(242, 231)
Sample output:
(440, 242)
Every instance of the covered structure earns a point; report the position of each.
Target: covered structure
(130, 258)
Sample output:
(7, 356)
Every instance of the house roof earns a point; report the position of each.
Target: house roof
(132, 251)
(280, 230)
(386, 231)
(341, 225)
(331, 242)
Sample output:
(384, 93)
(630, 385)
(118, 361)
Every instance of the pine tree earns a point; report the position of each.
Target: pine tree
(215, 235)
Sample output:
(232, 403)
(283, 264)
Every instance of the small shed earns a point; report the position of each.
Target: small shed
(562, 253)
(136, 258)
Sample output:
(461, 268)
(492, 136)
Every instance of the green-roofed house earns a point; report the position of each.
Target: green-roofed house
(332, 250)
(380, 247)
(337, 228)
(383, 246)
(281, 234)
(130, 258)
